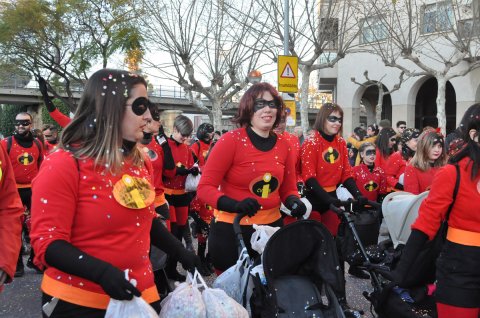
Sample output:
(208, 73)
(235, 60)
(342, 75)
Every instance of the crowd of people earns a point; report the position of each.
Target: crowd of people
(95, 199)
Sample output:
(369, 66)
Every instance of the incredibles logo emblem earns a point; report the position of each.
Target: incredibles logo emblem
(330, 155)
(25, 159)
(204, 154)
(264, 185)
(133, 193)
(152, 155)
(371, 186)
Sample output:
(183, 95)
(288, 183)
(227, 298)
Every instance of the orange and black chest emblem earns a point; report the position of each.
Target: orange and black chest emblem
(25, 159)
(331, 155)
(264, 185)
(204, 154)
(371, 186)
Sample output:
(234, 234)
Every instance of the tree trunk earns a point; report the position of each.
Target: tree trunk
(441, 116)
(378, 108)
(306, 71)
(216, 114)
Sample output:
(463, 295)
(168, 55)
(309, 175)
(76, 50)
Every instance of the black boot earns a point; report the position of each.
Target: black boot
(357, 272)
(187, 236)
(20, 269)
(210, 263)
(348, 311)
(204, 270)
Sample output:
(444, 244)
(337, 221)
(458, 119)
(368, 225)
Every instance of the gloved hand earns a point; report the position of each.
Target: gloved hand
(399, 186)
(189, 260)
(248, 206)
(182, 171)
(42, 85)
(296, 206)
(361, 200)
(194, 171)
(336, 202)
(164, 211)
(116, 286)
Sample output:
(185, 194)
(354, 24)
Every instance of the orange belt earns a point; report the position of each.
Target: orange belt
(330, 188)
(463, 237)
(23, 186)
(174, 191)
(87, 298)
(262, 217)
(160, 200)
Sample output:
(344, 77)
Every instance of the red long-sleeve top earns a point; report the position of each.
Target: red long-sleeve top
(325, 161)
(75, 202)
(49, 148)
(380, 160)
(155, 152)
(182, 156)
(25, 161)
(200, 150)
(11, 210)
(417, 181)
(370, 183)
(394, 168)
(61, 119)
(237, 169)
(465, 214)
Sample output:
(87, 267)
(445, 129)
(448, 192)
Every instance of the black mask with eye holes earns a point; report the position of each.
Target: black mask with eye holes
(203, 132)
(140, 106)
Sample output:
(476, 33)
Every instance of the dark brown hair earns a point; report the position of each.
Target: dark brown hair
(245, 108)
(326, 110)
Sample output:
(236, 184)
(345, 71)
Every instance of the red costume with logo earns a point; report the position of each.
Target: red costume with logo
(370, 183)
(417, 181)
(11, 210)
(77, 203)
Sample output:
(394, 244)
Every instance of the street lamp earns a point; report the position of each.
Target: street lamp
(254, 77)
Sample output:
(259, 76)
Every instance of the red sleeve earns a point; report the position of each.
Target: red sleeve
(308, 155)
(410, 180)
(196, 149)
(217, 165)
(392, 168)
(61, 119)
(383, 182)
(11, 210)
(54, 198)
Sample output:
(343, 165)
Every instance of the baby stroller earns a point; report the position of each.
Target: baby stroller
(299, 262)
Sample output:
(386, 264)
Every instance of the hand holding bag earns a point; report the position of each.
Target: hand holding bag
(191, 183)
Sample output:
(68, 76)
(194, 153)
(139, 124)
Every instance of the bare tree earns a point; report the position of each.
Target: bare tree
(316, 36)
(438, 39)
(381, 91)
(210, 53)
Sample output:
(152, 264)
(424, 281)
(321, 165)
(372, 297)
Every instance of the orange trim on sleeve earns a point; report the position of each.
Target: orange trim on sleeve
(463, 237)
(262, 217)
(87, 298)
(174, 191)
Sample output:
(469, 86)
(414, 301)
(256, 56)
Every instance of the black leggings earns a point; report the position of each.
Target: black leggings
(223, 246)
(65, 309)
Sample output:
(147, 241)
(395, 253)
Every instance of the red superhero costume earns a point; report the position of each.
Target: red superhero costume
(61, 119)
(104, 215)
(155, 152)
(239, 170)
(49, 148)
(200, 150)
(11, 210)
(417, 181)
(380, 160)
(370, 183)
(394, 168)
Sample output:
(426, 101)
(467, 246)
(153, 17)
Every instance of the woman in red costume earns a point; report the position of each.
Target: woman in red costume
(249, 171)
(93, 216)
(428, 159)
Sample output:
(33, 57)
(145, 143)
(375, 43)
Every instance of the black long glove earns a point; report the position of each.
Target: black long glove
(414, 245)
(320, 193)
(164, 240)
(194, 171)
(69, 259)
(163, 211)
(182, 171)
(296, 206)
(351, 186)
(248, 206)
(398, 186)
(42, 84)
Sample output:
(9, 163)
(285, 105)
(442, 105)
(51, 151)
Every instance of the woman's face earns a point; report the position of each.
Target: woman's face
(263, 117)
(391, 141)
(178, 137)
(333, 123)
(132, 124)
(153, 126)
(368, 155)
(412, 144)
(435, 152)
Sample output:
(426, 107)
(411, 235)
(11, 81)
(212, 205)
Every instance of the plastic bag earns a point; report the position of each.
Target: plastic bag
(235, 279)
(191, 183)
(185, 301)
(261, 236)
(343, 194)
(305, 201)
(135, 308)
(219, 305)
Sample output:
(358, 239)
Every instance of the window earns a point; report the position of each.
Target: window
(437, 17)
(373, 30)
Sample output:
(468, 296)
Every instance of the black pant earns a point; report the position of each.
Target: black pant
(26, 197)
(65, 309)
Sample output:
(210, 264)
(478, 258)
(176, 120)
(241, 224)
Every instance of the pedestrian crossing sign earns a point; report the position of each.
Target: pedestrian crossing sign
(287, 69)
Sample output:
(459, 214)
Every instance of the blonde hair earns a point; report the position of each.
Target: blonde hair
(426, 141)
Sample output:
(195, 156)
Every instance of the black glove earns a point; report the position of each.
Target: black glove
(320, 193)
(189, 260)
(182, 171)
(194, 171)
(163, 211)
(116, 286)
(415, 243)
(201, 224)
(42, 84)
(296, 206)
(248, 206)
(398, 186)
(361, 200)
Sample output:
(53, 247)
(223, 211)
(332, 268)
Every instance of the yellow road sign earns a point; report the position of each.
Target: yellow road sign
(291, 112)
(287, 74)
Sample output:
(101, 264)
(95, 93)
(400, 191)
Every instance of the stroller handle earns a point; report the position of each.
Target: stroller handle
(238, 231)
(336, 208)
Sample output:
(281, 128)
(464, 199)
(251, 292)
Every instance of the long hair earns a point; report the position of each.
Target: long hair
(471, 148)
(326, 110)
(95, 131)
(245, 108)
(426, 141)
(383, 140)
